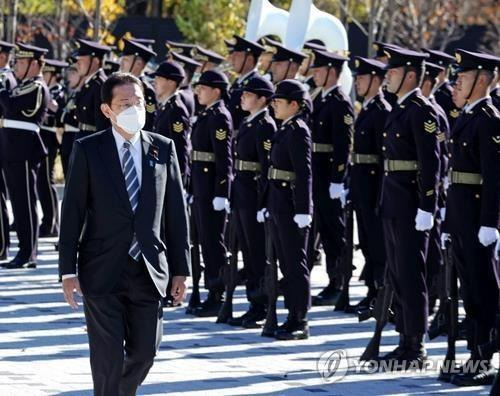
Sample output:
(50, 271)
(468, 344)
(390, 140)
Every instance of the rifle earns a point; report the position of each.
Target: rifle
(439, 325)
(381, 314)
(345, 262)
(194, 300)
(229, 274)
(271, 285)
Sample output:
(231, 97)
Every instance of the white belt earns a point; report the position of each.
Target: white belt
(15, 124)
(70, 128)
(47, 128)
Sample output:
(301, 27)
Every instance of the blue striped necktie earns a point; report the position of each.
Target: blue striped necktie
(133, 189)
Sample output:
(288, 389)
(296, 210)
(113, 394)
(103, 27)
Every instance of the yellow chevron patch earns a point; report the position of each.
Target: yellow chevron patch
(150, 107)
(429, 193)
(341, 167)
(454, 113)
(496, 139)
(430, 126)
(220, 134)
(441, 137)
(267, 145)
(178, 127)
(348, 120)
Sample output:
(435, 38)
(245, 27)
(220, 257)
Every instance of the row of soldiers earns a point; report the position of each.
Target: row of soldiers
(284, 156)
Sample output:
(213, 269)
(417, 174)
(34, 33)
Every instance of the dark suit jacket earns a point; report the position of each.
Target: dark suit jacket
(97, 223)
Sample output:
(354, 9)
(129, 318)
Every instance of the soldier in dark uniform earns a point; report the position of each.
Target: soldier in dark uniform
(252, 144)
(332, 120)
(243, 56)
(68, 115)
(443, 90)
(88, 112)
(47, 193)
(305, 68)
(134, 59)
(289, 201)
(110, 67)
(495, 95)
(434, 257)
(185, 90)
(285, 63)
(23, 110)
(367, 170)
(211, 181)
(472, 206)
(184, 49)
(172, 117)
(8, 82)
(381, 56)
(209, 59)
(408, 200)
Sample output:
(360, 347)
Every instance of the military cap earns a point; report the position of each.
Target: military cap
(203, 55)
(291, 90)
(282, 53)
(468, 60)
(137, 49)
(259, 86)
(432, 70)
(6, 46)
(329, 59)
(244, 45)
(27, 51)
(368, 66)
(170, 70)
(182, 48)
(111, 66)
(188, 63)
(214, 79)
(439, 57)
(144, 41)
(314, 44)
(400, 57)
(92, 48)
(54, 66)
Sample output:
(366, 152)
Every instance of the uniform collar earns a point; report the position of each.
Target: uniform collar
(164, 102)
(438, 87)
(469, 107)
(252, 117)
(326, 92)
(245, 76)
(289, 119)
(407, 95)
(92, 76)
(215, 104)
(367, 102)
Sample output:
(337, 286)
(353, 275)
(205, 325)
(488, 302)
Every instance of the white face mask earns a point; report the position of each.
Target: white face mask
(132, 119)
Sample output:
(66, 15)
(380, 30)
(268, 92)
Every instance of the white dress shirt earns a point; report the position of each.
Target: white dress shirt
(406, 95)
(469, 107)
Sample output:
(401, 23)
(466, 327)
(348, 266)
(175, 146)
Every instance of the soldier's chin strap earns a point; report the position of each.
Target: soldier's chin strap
(369, 86)
(402, 81)
(27, 70)
(244, 62)
(476, 77)
(88, 68)
(132, 65)
(326, 76)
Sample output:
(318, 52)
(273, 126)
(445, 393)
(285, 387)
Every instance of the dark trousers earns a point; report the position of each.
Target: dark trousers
(406, 250)
(211, 226)
(132, 316)
(476, 270)
(66, 147)
(4, 217)
(47, 193)
(21, 182)
(434, 259)
(329, 219)
(252, 242)
(291, 247)
(371, 239)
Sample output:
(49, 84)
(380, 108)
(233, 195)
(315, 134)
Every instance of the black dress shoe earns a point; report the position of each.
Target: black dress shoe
(168, 302)
(480, 378)
(495, 389)
(47, 234)
(255, 313)
(328, 296)
(411, 356)
(19, 263)
(293, 330)
(210, 307)
(398, 351)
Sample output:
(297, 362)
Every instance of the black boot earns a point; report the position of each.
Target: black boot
(474, 373)
(17, 263)
(398, 351)
(293, 329)
(495, 389)
(328, 296)
(256, 313)
(211, 306)
(415, 354)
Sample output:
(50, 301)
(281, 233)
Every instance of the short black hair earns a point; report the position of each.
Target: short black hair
(115, 80)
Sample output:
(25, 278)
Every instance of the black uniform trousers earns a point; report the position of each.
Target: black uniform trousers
(4, 216)
(406, 250)
(371, 240)
(290, 243)
(476, 270)
(434, 259)
(21, 184)
(47, 193)
(330, 224)
(130, 315)
(211, 226)
(66, 147)
(252, 242)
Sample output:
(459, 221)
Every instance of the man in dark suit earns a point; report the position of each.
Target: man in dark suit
(125, 233)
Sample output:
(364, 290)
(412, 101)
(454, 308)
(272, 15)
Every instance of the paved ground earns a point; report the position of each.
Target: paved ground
(43, 348)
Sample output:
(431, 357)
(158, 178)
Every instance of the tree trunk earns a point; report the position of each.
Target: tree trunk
(12, 21)
(97, 20)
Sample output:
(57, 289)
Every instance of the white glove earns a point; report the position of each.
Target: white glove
(446, 183)
(424, 220)
(442, 213)
(303, 220)
(343, 197)
(262, 215)
(445, 237)
(221, 203)
(336, 190)
(487, 235)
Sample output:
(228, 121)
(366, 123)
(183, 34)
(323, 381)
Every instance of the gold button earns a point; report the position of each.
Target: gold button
(249, 125)
(383, 148)
(451, 140)
(321, 123)
(449, 155)
(386, 173)
(385, 134)
(84, 107)
(413, 182)
(464, 144)
(331, 159)
(477, 196)
(398, 135)
(283, 184)
(372, 172)
(205, 170)
(86, 85)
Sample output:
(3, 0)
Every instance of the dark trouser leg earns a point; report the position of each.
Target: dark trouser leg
(21, 181)
(434, 259)
(66, 148)
(292, 254)
(406, 254)
(211, 226)
(4, 217)
(47, 193)
(251, 237)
